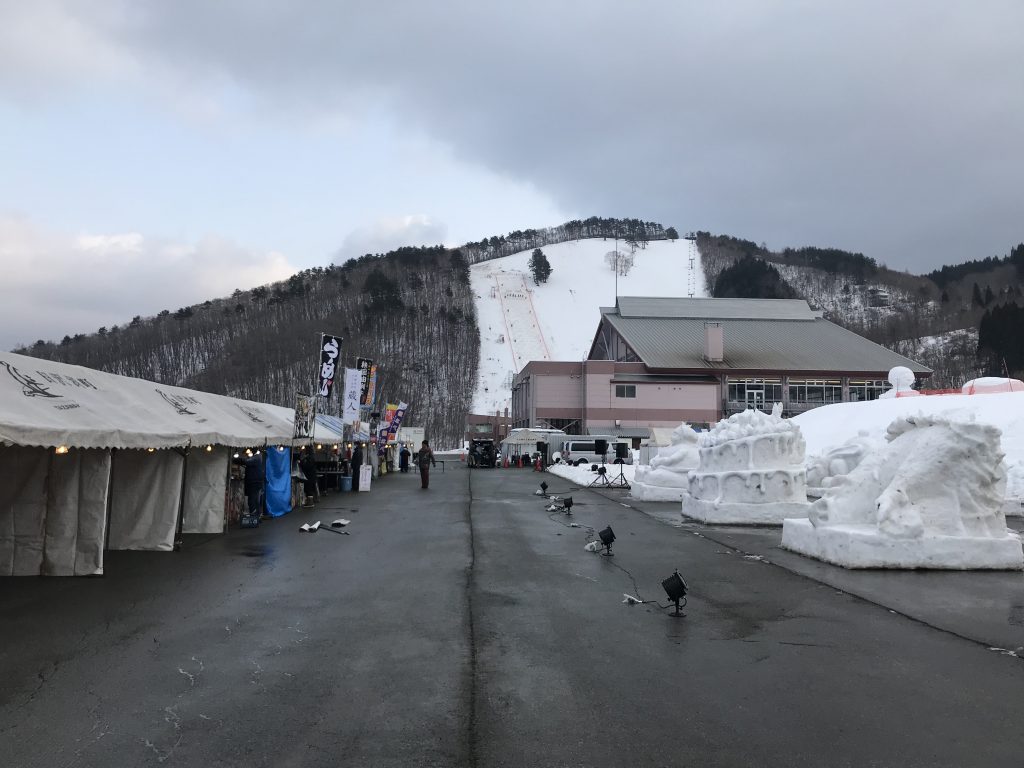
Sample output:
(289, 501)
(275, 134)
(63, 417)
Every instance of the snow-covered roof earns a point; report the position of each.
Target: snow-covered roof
(44, 403)
(760, 335)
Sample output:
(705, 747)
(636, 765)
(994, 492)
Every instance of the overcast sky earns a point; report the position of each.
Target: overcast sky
(154, 153)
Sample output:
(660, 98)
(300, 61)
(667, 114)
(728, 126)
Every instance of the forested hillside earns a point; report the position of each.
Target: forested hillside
(410, 310)
(932, 318)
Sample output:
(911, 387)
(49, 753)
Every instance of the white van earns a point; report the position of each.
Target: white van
(580, 451)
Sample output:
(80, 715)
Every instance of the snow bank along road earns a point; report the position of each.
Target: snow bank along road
(463, 626)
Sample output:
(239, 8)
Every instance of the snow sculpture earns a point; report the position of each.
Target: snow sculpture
(839, 461)
(931, 498)
(751, 471)
(902, 380)
(665, 479)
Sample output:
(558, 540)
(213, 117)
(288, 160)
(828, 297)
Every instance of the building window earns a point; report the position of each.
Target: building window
(815, 392)
(866, 390)
(625, 390)
(755, 393)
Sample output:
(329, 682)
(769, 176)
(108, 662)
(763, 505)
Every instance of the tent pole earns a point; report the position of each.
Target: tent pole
(110, 501)
(181, 497)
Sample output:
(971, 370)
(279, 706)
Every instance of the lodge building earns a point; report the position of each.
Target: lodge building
(657, 361)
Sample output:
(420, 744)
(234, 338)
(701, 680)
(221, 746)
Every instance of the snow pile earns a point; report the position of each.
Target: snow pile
(751, 471)
(557, 320)
(666, 478)
(830, 426)
(930, 498)
(988, 385)
(583, 476)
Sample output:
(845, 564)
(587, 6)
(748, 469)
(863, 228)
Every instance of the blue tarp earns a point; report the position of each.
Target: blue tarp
(279, 481)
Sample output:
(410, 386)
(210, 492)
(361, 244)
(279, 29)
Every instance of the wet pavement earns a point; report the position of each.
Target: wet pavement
(467, 626)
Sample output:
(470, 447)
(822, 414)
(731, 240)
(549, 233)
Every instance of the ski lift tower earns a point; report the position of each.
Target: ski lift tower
(691, 275)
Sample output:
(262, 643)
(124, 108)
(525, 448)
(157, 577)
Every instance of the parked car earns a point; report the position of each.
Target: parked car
(482, 453)
(583, 450)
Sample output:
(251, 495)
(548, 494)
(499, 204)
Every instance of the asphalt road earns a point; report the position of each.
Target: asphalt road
(464, 626)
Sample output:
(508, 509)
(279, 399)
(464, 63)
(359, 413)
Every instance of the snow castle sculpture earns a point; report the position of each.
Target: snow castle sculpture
(751, 471)
(666, 478)
(931, 498)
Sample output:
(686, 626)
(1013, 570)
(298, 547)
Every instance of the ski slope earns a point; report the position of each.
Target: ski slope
(520, 321)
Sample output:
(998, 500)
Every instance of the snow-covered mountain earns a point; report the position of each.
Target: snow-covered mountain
(520, 321)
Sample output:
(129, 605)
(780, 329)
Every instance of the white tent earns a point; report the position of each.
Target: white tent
(90, 460)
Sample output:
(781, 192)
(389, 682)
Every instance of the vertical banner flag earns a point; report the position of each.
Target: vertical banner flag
(330, 348)
(385, 422)
(365, 366)
(396, 421)
(305, 416)
(372, 394)
(353, 391)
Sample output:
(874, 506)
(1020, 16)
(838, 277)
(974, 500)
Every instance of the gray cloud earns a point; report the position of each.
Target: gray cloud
(390, 233)
(56, 284)
(889, 128)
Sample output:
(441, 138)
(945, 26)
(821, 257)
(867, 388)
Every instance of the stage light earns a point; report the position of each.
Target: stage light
(61, 449)
(593, 467)
(607, 537)
(675, 588)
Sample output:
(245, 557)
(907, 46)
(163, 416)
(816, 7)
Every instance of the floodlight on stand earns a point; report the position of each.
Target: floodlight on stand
(602, 470)
(675, 588)
(607, 536)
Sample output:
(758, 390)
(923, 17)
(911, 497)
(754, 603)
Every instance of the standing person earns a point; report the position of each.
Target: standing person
(403, 458)
(254, 478)
(357, 462)
(310, 489)
(424, 458)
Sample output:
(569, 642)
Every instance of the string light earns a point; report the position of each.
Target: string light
(61, 449)
(151, 450)
(209, 448)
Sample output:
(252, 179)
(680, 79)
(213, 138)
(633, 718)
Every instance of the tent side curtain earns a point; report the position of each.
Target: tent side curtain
(145, 499)
(52, 511)
(278, 469)
(206, 480)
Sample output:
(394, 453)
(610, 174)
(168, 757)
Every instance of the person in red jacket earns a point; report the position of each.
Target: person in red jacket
(424, 458)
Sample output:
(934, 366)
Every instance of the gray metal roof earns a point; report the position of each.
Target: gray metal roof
(768, 343)
(715, 309)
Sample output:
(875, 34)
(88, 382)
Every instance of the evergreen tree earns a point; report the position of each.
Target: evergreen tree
(751, 278)
(540, 268)
(671, 233)
(977, 300)
(989, 297)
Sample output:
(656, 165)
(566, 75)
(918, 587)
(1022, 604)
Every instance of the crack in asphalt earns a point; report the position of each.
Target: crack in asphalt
(471, 724)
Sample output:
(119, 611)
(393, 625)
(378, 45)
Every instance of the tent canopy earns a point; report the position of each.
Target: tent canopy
(48, 404)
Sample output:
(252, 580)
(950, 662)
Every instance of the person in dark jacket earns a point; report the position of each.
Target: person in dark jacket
(308, 465)
(254, 478)
(424, 459)
(357, 462)
(403, 459)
